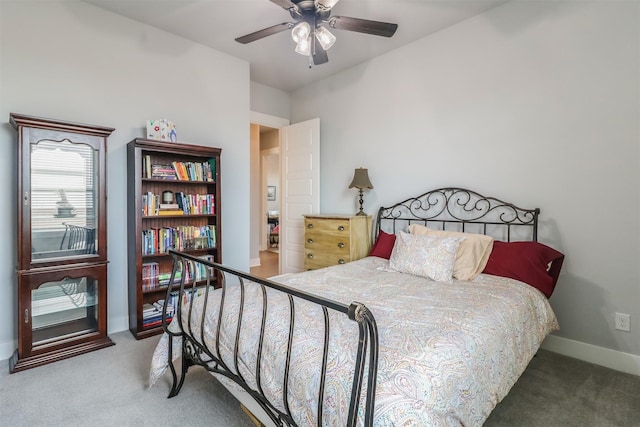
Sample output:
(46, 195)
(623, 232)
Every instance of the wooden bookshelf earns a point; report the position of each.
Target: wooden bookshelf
(151, 233)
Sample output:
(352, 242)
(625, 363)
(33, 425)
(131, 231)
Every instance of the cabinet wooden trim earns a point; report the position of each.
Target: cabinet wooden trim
(62, 335)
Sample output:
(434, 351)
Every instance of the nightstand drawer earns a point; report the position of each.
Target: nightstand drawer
(335, 239)
(315, 260)
(320, 242)
(334, 227)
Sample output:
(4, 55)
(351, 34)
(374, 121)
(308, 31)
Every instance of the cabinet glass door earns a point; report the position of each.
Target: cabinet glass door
(63, 199)
(64, 309)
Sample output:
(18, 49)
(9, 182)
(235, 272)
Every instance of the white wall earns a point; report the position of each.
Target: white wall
(267, 100)
(73, 61)
(537, 103)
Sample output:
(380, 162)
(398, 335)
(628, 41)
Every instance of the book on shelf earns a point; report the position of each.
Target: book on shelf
(163, 172)
(169, 206)
(189, 204)
(167, 212)
(150, 271)
(185, 237)
(152, 313)
(146, 166)
(195, 171)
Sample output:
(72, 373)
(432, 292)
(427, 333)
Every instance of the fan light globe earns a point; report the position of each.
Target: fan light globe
(300, 32)
(325, 37)
(304, 46)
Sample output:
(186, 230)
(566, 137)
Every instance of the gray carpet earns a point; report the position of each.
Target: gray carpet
(108, 388)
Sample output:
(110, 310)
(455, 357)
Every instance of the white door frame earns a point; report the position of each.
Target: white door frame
(276, 123)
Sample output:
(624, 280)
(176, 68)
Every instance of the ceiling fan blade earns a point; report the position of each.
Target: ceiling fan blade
(285, 4)
(264, 33)
(376, 28)
(319, 54)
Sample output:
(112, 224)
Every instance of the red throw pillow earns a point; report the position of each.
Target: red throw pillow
(530, 262)
(384, 245)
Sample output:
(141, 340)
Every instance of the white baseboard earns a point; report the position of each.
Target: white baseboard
(7, 348)
(119, 324)
(254, 262)
(613, 359)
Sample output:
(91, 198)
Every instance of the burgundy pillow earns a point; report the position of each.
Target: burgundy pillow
(527, 262)
(384, 245)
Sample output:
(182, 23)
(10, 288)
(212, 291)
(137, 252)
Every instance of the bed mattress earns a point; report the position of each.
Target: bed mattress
(448, 352)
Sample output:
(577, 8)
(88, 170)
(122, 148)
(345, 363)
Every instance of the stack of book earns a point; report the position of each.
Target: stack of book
(152, 313)
(169, 209)
(163, 172)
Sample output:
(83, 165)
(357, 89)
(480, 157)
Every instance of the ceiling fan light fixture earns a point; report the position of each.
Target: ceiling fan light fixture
(326, 4)
(301, 32)
(325, 37)
(303, 47)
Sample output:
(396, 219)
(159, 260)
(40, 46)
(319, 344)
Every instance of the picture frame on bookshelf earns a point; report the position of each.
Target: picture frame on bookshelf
(271, 193)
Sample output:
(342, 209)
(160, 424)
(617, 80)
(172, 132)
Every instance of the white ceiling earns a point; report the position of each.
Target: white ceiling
(273, 62)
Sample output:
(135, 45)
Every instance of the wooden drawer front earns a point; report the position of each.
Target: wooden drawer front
(336, 227)
(329, 252)
(319, 259)
(327, 243)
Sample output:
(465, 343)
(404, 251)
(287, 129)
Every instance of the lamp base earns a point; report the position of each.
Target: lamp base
(361, 212)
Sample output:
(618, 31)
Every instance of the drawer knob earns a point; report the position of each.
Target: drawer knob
(341, 245)
(309, 255)
(341, 228)
(309, 240)
(340, 261)
(309, 225)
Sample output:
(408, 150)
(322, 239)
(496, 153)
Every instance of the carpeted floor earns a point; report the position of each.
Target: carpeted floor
(108, 387)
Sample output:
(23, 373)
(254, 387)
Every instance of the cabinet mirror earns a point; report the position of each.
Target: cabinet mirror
(64, 199)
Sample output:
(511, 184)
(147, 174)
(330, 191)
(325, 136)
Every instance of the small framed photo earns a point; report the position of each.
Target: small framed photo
(271, 193)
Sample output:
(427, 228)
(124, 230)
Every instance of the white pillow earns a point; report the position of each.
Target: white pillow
(473, 252)
(427, 256)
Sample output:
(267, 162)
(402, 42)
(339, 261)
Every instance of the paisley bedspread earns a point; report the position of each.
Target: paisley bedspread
(449, 352)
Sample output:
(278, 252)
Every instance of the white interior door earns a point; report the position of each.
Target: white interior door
(300, 175)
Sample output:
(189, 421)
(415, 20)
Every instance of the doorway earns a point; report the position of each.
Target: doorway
(299, 183)
(265, 178)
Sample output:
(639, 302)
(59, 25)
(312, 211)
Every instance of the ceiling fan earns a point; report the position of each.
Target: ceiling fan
(312, 18)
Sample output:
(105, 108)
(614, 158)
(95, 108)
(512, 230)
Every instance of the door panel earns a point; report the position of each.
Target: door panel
(300, 169)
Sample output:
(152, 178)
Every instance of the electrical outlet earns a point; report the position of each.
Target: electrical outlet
(623, 322)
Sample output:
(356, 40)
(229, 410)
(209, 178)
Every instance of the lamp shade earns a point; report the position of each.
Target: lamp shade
(361, 179)
(325, 37)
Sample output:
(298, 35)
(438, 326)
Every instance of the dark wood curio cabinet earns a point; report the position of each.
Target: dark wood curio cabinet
(173, 202)
(62, 240)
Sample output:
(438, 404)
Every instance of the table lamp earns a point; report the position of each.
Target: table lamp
(361, 181)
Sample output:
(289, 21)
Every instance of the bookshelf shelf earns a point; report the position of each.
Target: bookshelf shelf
(151, 235)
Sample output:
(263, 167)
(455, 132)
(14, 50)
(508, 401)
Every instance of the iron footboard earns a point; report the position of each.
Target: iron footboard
(214, 277)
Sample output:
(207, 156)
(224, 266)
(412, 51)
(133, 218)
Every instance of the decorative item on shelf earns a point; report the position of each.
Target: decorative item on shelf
(361, 181)
(162, 130)
(167, 197)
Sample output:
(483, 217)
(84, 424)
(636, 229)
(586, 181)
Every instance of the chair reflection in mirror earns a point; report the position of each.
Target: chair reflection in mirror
(81, 240)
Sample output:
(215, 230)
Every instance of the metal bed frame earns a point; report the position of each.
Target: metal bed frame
(195, 353)
(461, 208)
(447, 207)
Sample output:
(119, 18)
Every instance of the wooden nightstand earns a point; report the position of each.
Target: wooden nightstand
(335, 239)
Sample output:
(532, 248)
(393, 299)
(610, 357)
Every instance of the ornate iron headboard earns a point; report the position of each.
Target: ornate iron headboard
(459, 209)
